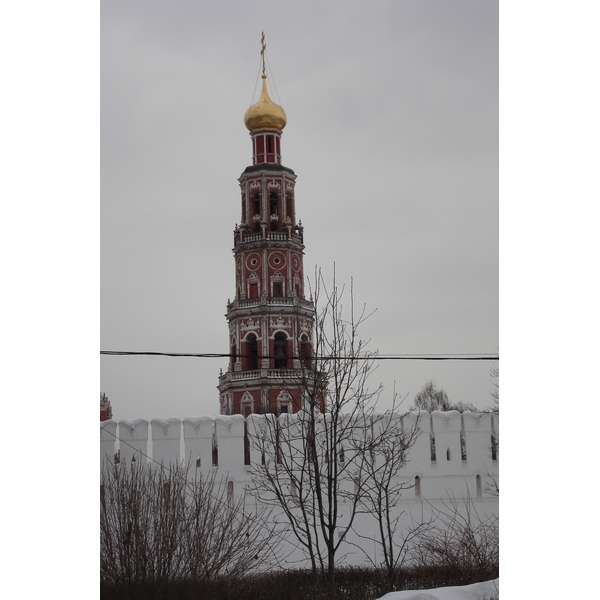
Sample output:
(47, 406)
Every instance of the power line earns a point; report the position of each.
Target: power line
(473, 356)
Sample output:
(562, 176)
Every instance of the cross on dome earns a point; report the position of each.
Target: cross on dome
(265, 114)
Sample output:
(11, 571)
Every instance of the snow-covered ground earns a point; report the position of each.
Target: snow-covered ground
(477, 591)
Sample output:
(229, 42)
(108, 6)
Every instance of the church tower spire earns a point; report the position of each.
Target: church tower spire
(270, 320)
(265, 120)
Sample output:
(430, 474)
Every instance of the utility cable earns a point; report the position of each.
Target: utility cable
(469, 356)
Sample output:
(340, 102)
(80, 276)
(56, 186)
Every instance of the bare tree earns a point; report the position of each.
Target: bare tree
(312, 462)
(155, 525)
(460, 538)
(430, 399)
(383, 489)
(141, 518)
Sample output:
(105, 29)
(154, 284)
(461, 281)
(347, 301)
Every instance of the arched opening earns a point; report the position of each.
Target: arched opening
(289, 208)
(251, 352)
(306, 351)
(478, 486)
(256, 211)
(280, 350)
(274, 215)
(233, 353)
(417, 488)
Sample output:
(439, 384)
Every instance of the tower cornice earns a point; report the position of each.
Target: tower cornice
(267, 169)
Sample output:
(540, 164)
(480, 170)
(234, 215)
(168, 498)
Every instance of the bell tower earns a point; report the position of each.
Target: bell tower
(270, 320)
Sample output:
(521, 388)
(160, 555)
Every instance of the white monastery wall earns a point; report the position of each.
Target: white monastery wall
(463, 447)
(462, 467)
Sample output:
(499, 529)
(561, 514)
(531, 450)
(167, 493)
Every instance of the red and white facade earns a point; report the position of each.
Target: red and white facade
(270, 320)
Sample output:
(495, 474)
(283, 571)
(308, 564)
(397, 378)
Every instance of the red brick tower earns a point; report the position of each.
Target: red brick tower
(270, 321)
(105, 408)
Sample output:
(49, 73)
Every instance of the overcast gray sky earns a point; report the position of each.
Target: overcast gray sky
(392, 130)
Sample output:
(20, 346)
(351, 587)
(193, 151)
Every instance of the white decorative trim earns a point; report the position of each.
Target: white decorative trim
(284, 399)
(304, 326)
(281, 322)
(251, 323)
(247, 400)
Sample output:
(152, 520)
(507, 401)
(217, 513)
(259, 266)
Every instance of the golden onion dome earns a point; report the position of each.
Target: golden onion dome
(265, 114)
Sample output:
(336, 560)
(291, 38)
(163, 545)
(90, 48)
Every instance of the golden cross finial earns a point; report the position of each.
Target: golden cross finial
(262, 52)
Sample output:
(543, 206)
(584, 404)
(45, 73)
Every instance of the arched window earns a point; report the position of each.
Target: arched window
(280, 350)
(417, 488)
(478, 486)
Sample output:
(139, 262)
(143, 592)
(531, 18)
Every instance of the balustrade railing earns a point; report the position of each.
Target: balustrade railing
(271, 301)
(272, 236)
(257, 374)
